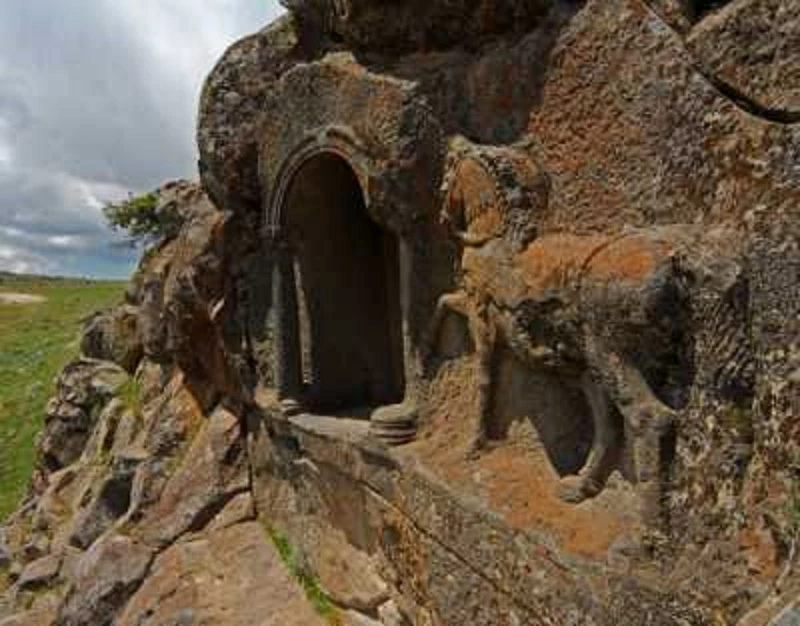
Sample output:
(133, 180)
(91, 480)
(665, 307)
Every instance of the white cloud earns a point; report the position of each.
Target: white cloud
(98, 98)
(6, 156)
(74, 242)
(22, 261)
(6, 151)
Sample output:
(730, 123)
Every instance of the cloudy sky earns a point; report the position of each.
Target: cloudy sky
(98, 98)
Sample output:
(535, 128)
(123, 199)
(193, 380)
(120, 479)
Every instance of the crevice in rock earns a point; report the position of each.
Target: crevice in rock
(748, 105)
(463, 560)
(741, 101)
(208, 513)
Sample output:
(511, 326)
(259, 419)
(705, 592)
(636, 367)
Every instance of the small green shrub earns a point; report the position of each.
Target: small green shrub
(130, 394)
(143, 218)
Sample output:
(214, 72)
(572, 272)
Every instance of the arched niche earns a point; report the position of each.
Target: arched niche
(348, 279)
(342, 339)
(359, 131)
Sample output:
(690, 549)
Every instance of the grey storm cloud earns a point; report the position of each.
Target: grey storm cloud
(98, 98)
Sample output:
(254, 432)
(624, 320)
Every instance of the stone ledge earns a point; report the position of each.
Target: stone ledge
(440, 550)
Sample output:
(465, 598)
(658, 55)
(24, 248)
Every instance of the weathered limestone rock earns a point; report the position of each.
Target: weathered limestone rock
(212, 473)
(39, 573)
(240, 509)
(108, 575)
(488, 311)
(733, 47)
(84, 387)
(230, 115)
(609, 327)
(110, 502)
(179, 293)
(113, 336)
(412, 26)
(231, 576)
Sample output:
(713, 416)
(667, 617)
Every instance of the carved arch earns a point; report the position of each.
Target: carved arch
(381, 126)
(336, 141)
(382, 129)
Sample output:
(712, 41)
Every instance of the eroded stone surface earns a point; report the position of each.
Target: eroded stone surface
(108, 574)
(750, 47)
(113, 336)
(231, 576)
(556, 241)
(212, 473)
(84, 387)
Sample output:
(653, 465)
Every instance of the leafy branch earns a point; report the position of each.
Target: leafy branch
(145, 220)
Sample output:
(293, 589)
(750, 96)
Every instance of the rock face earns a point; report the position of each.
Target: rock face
(220, 578)
(134, 484)
(83, 389)
(113, 336)
(490, 316)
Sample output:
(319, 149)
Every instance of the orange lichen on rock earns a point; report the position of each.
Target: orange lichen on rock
(557, 261)
(566, 260)
(475, 199)
(520, 485)
(514, 479)
(628, 258)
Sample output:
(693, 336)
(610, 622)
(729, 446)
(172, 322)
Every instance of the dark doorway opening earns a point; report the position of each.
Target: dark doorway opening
(348, 285)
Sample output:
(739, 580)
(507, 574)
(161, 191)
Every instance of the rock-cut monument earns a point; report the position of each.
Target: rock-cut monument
(488, 309)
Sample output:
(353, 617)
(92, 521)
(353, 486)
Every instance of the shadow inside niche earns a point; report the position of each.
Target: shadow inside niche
(553, 405)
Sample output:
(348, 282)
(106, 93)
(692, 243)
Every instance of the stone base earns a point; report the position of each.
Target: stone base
(394, 425)
(291, 407)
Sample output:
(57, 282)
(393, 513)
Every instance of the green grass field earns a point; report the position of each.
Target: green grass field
(36, 341)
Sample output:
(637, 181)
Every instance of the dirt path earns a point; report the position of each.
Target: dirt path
(10, 297)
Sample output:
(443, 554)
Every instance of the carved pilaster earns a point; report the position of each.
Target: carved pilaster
(288, 364)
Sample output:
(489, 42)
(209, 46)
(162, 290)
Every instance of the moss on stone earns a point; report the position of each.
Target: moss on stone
(292, 559)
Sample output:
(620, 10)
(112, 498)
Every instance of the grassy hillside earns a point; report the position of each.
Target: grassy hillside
(36, 341)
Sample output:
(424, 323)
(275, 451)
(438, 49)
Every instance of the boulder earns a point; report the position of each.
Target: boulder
(113, 335)
(39, 573)
(230, 117)
(232, 576)
(213, 472)
(110, 502)
(84, 387)
(108, 574)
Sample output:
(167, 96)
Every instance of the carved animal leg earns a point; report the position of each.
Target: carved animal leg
(484, 335)
(648, 425)
(649, 452)
(458, 302)
(605, 447)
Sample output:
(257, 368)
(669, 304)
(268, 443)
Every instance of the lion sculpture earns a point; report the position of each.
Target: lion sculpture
(612, 311)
